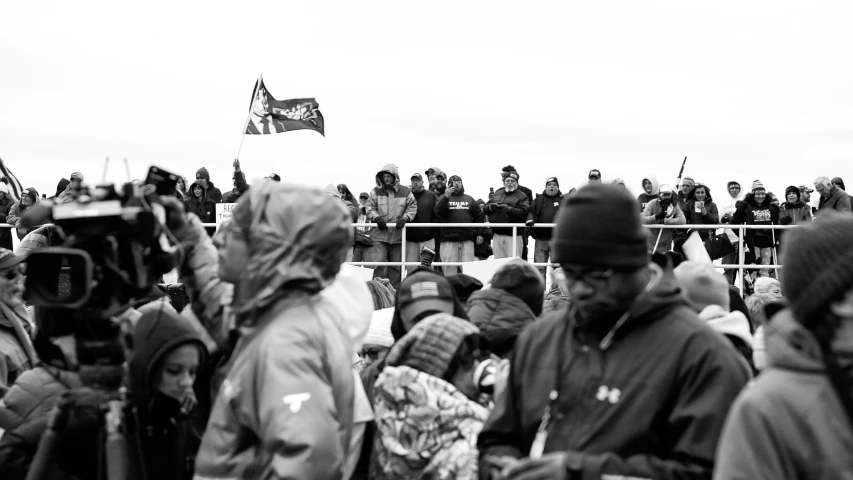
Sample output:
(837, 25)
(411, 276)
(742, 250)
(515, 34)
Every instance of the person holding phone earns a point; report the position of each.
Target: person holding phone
(701, 210)
(508, 205)
(455, 206)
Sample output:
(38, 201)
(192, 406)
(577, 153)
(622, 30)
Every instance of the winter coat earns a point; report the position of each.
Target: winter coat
(517, 205)
(426, 428)
(362, 234)
(644, 198)
(500, 316)
(285, 409)
(796, 213)
(168, 439)
(750, 213)
(18, 210)
(24, 411)
(390, 205)
(16, 349)
(6, 204)
(426, 201)
(711, 217)
(544, 211)
(837, 200)
(735, 327)
(205, 208)
(484, 250)
(214, 193)
(626, 407)
(459, 208)
(789, 424)
(240, 187)
(676, 217)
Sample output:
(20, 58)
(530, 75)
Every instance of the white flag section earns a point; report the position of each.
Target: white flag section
(223, 211)
(694, 249)
(485, 270)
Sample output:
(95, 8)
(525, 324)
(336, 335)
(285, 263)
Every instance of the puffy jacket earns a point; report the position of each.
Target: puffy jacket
(626, 406)
(644, 198)
(205, 208)
(837, 200)
(517, 204)
(676, 217)
(544, 211)
(18, 210)
(213, 193)
(459, 208)
(285, 409)
(426, 201)
(750, 213)
(500, 316)
(794, 213)
(711, 217)
(240, 187)
(390, 205)
(789, 424)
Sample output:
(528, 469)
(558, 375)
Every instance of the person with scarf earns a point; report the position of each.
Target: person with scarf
(200, 204)
(16, 348)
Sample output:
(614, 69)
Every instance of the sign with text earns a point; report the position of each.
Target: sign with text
(223, 211)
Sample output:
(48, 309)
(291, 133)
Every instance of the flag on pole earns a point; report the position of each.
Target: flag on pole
(15, 188)
(268, 115)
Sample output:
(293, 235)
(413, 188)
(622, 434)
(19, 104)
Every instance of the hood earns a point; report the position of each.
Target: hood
(62, 185)
(838, 181)
(397, 327)
(749, 199)
(33, 194)
(691, 195)
(734, 324)
(298, 238)
(655, 185)
(390, 168)
(500, 316)
(192, 187)
(789, 345)
(349, 296)
(456, 178)
(347, 194)
(437, 171)
(157, 332)
(332, 190)
(799, 202)
(740, 193)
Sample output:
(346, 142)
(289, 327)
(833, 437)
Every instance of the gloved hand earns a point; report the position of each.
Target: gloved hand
(381, 225)
(400, 223)
(529, 223)
(661, 215)
(785, 221)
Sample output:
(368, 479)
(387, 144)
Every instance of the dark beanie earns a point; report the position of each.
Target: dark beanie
(523, 280)
(818, 265)
(599, 226)
(203, 173)
(464, 285)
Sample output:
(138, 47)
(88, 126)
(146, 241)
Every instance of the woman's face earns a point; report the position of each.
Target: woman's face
(792, 197)
(178, 373)
(197, 191)
(27, 201)
(700, 194)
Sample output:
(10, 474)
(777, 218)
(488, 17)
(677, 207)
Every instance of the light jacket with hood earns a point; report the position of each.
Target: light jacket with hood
(730, 205)
(459, 208)
(626, 407)
(711, 217)
(644, 198)
(390, 205)
(285, 409)
(663, 237)
(205, 208)
(794, 213)
(18, 210)
(790, 423)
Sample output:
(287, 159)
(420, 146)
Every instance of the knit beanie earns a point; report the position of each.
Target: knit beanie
(203, 173)
(552, 179)
(703, 285)
(729, 185)
(757, 185)
(818, 264)
(379, 332)
(455, 178)
(431, 344)
(523, 280)
(599, 226)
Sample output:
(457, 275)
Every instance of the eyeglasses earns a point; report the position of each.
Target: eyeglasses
(373, 353)
(12, 273)
(593, 278)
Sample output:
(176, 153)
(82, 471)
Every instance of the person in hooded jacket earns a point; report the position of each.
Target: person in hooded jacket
(282, 249)
(757, 209)
(389, 203)
(60, 187)
(418, 239)
(240, 185)
(544, 210)
(437, 180)
(796, 420)
(838, 182)
(794, 211)
(455, 206)
(701, 210)
(514, 301)
(507, 205)
(200, 204)
(6, 203)
(203, 176)
(728, 209)
(591, 393)
(662, 210)
(30, 198)
(650, 192)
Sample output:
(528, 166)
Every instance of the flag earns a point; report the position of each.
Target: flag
(15, 188)
(268, 115)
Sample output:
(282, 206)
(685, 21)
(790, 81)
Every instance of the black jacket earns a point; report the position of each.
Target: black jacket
(649, 404)
(517, 205)
(205, 208)
(544, 211)
(460, 208)
(426, 201)
(711, 216)
(750, 213)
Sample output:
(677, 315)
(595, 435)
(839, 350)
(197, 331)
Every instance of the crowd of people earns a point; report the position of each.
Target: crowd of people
(635, 363)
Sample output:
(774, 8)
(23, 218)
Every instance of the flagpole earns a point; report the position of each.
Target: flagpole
(249, 116)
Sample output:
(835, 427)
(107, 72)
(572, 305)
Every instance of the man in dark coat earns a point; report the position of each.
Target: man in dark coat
(203, 176)
(544, 211)
(591, 392)
(418, 239)
(6, 202)
(507, 170)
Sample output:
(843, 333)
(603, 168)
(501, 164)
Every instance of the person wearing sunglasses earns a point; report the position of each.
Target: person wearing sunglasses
(627, 382)
(16, 348)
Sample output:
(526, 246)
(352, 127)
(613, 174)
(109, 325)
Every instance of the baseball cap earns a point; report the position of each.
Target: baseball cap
(363, 195)
(9, 259)
(665, 188)
(804, 188)
(512, 176)
(418, 176)
(552, 180)
(594, 174)
(274, 176)
(422, 291)
(76, 176)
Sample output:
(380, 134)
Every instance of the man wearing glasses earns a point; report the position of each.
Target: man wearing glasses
(16, 348)
(628, 382)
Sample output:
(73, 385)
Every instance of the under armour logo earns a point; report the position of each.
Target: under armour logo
(611, 395)
(556, 204)
(296, 400)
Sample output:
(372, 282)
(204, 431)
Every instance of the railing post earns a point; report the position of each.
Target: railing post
(740, 255)
(403, 255)
(514, 231)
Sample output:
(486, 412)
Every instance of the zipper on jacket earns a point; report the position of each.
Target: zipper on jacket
(608, 339)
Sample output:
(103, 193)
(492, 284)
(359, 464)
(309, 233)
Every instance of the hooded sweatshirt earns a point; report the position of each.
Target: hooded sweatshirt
(459, 208)
(644, 198)
(794, 213)
(205, 208)
(626, 407)
(213, 193)
(390, 204)
(789, 423)
(169, 442)
(544, 210)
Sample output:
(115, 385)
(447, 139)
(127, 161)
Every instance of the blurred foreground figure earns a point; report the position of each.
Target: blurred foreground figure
(628, 383)
(796, 421)
(285, 409)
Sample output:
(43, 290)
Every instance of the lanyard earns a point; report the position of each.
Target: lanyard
(538, 446)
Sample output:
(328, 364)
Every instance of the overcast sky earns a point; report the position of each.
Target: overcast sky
(745, 89)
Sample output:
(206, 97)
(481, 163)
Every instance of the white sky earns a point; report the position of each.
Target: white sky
(745, 89)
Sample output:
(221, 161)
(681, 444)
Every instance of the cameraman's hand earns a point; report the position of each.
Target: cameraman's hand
(380, 224)
(176, 215)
